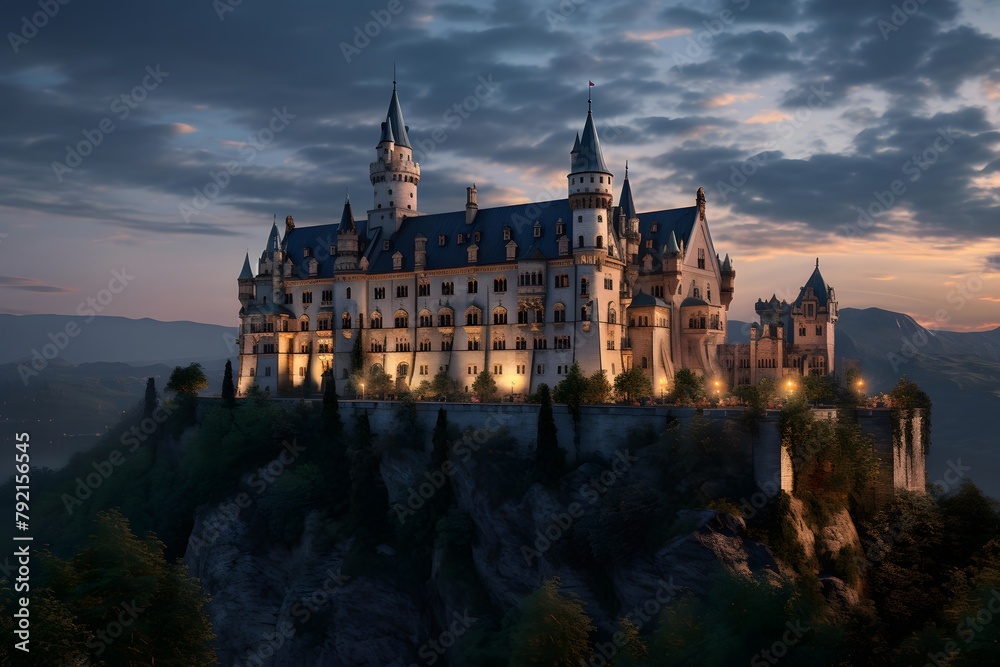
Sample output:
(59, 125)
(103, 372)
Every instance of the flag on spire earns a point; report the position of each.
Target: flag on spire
(592, 83)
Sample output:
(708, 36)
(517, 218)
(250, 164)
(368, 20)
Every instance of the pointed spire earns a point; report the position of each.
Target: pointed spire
(625, 201)
(672, 247)
(727, 265)
(395, 119)
(347, 218)
(387, 132)
(247, 272)
(588, 157)
(274, 238)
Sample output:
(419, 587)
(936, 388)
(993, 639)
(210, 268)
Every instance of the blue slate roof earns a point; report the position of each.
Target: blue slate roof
(489, 223)
(395, 115)
(273, 239)
(643, 299)
(625, 201)
(589, 157)
(247, 272)
(387, 134)
(347, 218)
(819, 287)
(692, 301)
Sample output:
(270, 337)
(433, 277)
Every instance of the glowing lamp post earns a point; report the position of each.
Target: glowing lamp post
(663, 388)
(362, 391)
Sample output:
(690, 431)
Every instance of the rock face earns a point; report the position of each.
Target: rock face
(276, 606)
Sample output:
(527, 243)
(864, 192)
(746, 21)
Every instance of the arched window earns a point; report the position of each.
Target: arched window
(473, 316)
(348, 292)
(499, 284)
(600, 218)
(402, 370)
(559, 313)
(425, 319)
(401, 320)
(345, 321)
(600, 242)
(584, 286)
(304, 324)
(376, 320)
(499, 315)
(612, 315)
(446, 317)
(645, 362)
(579, 243)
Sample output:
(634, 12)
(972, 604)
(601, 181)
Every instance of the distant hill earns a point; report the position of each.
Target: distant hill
(117, 339)
(101, 372)
(959, 370)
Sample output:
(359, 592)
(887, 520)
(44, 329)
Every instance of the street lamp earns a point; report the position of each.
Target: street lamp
(362, 391)
(663, 387)
(718, 390)
(511, 391)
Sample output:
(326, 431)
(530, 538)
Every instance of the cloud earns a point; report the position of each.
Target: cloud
(32, 285)
(729, 98)
(768, 116)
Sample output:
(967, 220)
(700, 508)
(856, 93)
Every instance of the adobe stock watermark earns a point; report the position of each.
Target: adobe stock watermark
(60, 340)
(454, 116)
(592, 492)
(967, 629)
(780, 648)
(121, 107)
(898, 17)
(698, 42)
(363, 35)
(133, 438)
(913, 168)
(99, 642)
(433, 649)
(31, 25)
(220, 180)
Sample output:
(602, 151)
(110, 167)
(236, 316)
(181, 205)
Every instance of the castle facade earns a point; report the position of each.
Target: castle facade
(522, 291)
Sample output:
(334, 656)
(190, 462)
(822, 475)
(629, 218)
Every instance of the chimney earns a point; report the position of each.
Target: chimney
(289, 224)
(470, 204)
(700, 199)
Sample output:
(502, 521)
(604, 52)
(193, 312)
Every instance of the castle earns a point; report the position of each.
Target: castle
(522, 291)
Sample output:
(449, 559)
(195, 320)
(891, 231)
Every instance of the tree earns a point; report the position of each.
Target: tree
(149, 402)
(688, 386)
(445, 387)
(549, 456)
(378, 383)
(819, 388)
(485, 388)
(598, 388)
(440, 439)
(572, 391)
(332, 423)
(369, 499)
(358, 352)
(228, 390)
(554, 630)
(632, 385)
(187, 381)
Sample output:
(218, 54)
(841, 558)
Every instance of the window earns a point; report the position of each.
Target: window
(645, 362)
(497, 369)
(385, 243)
(424, 346)
(269, 348)
(657, 290)
(520, 343)
(819, 330)
(446, 345)
(345, 321)
(609, 283)
(288, 297)
(475, 237)
(584, 286)
(445, 318)
(327, 296)
(442, 239)
(802, 331)
(472, 317)
(425, 370)
(267, 371)
(579, 218)
(473, 343)
(379, 292)
(473, 286)
(559, 313)
(499, 284)
(473, 370)
(402, 291)
(560, 228)
(376, 320)
(500, 315)
(562, 343)
(539, 315)
(562, 280)
(461, 237)
(540, 343)
(538, 230)
(540, 369)
(424, 289)
(521, 369)
(611, 343)
(500, 344)
(401, 320)
(506, 233)
(377, 346)
(447, 288)
(809, 310)
(579, 243)
(612, 316)
(304, 325)
(522, 316)
(701, 258)
(425, 319)
(402, 345)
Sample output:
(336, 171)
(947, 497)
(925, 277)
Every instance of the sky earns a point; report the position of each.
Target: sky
(146, 146)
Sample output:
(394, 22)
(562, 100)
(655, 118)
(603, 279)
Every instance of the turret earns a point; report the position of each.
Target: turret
(673, 260)
(347, 241)
(590, 186)
(246, 283)
(728, 274)
(394, 174)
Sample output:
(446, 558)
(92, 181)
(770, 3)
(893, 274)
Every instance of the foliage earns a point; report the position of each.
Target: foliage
(625, 524)
(333, 425)
(689, 387)
(550, 458)
(187, 381)
(819, 389)
(485, 388)
(228, 388)
(358, 352)
(633, 385)
(598, 388)
(289, 499)
(553, 631)
(445, 387)
(149, 401)
(439, 439)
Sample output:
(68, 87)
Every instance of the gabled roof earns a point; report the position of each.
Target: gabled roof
(819, 287)
(589, 156)
(347, 218)
(676, 222)
(247, 272)
(395, 117)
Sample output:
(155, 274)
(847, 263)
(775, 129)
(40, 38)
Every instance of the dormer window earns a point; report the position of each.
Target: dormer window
(476, 237)
(506, 233)
(560, 228)
(442, 239)
(307, 252)
(460, 237)
(654, 227)
(385, 244)
(538, 230)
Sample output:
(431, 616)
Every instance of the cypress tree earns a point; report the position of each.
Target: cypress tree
(549, 457)
(228, 389)
(332, 424)
(149, 402)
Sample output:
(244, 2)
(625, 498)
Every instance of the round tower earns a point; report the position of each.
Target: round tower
(590, 185)
(394, 174)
